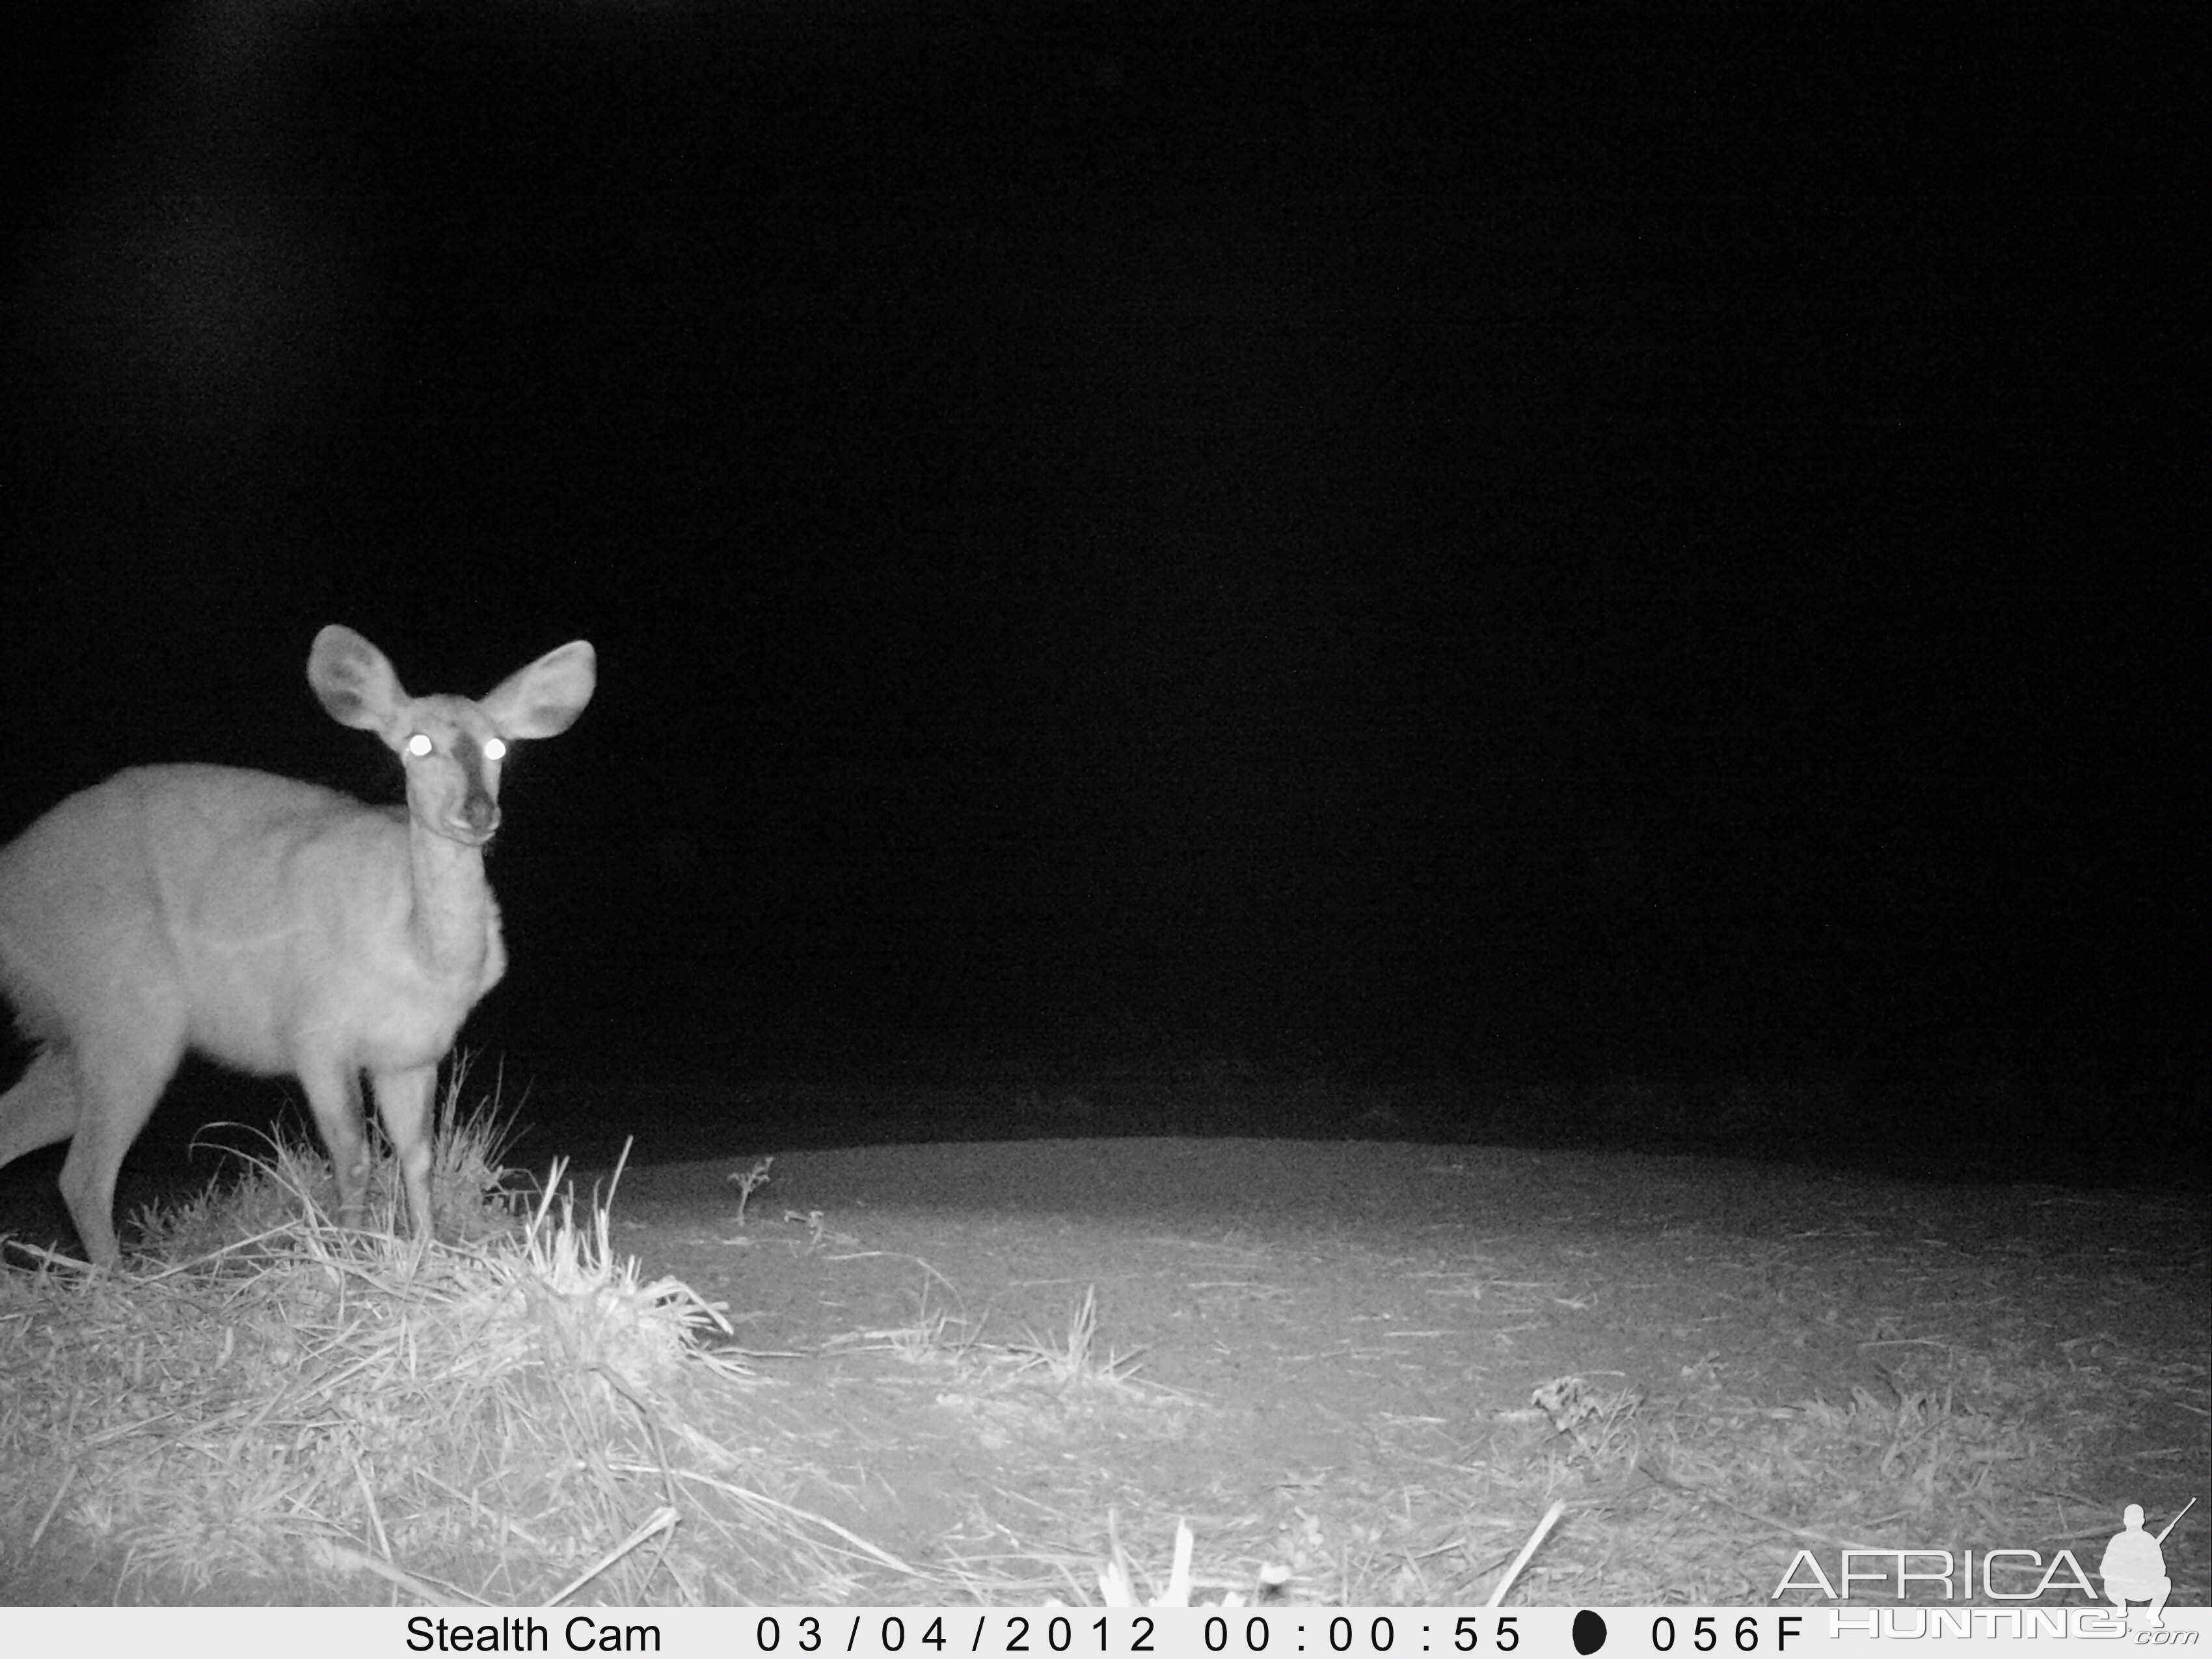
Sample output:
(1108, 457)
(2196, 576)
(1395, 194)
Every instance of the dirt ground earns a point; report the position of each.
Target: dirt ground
(1331, 1329)
(996, 1360)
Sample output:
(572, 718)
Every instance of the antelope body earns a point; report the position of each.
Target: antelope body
(273, 925)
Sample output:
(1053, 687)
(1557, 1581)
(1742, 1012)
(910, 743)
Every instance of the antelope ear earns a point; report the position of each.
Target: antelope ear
(355, 684)
(544, 700)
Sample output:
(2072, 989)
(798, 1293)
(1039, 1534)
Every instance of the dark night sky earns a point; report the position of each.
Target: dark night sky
(1632, 542)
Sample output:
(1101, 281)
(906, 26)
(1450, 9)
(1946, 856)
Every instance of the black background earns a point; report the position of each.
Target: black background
(1444, 546)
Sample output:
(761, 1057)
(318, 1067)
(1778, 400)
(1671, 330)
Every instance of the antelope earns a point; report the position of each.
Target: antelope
(275, 926)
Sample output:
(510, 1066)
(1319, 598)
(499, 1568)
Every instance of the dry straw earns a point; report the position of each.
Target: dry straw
(268, 1407)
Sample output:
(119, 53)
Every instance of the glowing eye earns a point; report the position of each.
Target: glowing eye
(419, 745)
(494, 748)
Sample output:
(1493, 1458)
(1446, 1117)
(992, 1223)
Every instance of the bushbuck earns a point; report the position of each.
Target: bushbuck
(275, 926)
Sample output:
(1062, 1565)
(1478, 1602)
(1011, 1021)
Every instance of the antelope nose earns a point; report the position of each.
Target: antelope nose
(481, 813)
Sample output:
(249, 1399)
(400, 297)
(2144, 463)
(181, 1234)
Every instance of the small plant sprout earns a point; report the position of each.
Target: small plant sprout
(1074, 1360)
(1597, 1420)
(747, 1180)
(1117, 1585)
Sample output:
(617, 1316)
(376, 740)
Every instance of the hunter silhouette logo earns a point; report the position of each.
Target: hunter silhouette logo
(2133, 1567)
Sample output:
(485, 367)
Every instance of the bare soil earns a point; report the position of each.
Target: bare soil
(1325, 1332)
(1323, 1355)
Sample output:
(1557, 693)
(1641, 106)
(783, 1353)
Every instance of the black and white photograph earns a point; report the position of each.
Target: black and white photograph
(817, 803)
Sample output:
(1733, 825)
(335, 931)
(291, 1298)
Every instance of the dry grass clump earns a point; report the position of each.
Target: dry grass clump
(293, 1406)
